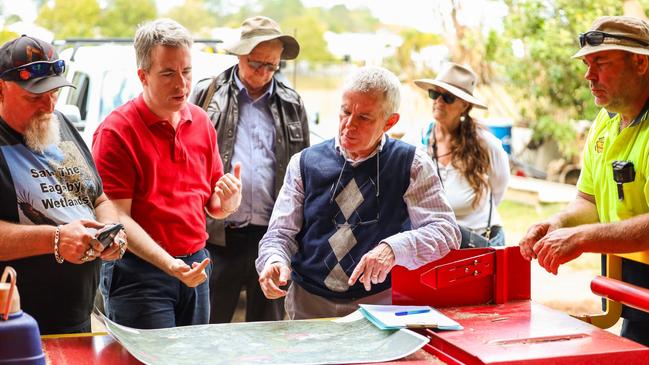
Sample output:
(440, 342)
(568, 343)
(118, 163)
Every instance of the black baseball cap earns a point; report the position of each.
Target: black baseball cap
(33, 64)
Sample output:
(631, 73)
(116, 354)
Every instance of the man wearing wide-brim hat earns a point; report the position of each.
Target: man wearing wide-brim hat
(610, 213)
(261, 122)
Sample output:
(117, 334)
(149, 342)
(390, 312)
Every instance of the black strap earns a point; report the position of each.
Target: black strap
(487, 232)
(209, 95)
(432, 150)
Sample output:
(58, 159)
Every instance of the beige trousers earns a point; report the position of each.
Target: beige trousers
(300, 304)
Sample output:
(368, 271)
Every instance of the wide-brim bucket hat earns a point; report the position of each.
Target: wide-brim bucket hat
(622, 33)
(261, 29)
(456, 79)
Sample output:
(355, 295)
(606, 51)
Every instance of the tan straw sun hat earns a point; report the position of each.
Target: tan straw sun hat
(456, 79)
(624, 33)
(261, 29)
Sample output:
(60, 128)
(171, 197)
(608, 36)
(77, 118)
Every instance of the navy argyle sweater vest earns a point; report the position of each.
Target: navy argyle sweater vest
(343, 217)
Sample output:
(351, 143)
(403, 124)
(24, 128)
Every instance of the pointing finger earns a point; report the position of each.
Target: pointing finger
(237, 170)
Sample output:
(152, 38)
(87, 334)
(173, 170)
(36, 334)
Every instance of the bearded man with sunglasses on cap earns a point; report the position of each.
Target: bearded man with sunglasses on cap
(611, 211)
(52, 197)
(353, 207)
(261, 122)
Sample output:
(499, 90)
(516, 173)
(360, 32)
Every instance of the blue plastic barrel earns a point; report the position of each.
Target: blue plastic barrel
(502, 129)
(20, 341)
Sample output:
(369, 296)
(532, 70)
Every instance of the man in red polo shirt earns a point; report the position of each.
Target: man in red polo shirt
(158, 158)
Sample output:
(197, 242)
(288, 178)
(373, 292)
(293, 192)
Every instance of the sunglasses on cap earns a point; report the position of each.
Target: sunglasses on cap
(270, 67)
(34, 70)
(447, 97)
(595, 38)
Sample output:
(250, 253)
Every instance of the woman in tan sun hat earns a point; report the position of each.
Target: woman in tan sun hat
(471, 162)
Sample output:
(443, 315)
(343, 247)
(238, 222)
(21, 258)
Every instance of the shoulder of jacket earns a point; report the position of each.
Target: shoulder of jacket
(286, 93)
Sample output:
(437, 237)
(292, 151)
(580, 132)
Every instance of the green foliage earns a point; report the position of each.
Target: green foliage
(193, 14)
(413, 41)
(340, 19)
(121, 17)
(279, 10)
(546, 81)
(6, 35)
(70, 18)
(12, 18)
(309, 32)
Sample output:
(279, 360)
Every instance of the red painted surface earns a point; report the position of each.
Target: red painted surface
(619, 291)
(522, 332)
(100, 350)
(465, 277)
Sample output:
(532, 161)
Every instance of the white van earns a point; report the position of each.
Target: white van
(105, 77)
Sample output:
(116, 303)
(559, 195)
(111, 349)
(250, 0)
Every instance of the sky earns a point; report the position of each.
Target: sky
(415, 13)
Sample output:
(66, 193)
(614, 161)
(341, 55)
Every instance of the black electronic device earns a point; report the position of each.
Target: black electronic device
(623, 172)
(107, 234)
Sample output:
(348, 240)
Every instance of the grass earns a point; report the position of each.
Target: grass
(518, 217)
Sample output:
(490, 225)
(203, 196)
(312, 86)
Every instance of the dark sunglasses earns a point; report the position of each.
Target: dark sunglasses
(270, 67)
(595, 38)
(447, 97)
(34, 70)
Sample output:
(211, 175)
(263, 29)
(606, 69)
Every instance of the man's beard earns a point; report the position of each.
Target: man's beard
(43, 131)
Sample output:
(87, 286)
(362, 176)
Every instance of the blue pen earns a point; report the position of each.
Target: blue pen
(416, 311)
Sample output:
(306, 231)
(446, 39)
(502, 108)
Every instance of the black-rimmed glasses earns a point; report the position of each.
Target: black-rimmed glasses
(447, 97)
(595, 38)
(270, 67)
(34, 70)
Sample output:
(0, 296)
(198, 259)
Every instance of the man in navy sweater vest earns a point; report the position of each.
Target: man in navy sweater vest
(353, 207)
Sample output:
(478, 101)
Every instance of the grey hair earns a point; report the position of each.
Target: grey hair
(372, 79)
(165, 32)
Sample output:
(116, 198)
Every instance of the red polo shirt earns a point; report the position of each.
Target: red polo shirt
(169, 174)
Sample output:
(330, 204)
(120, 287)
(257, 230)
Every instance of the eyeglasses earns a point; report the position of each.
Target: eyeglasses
(34, 70)
(595, 38)
(355, 219)
(447, 97)
(270, 67)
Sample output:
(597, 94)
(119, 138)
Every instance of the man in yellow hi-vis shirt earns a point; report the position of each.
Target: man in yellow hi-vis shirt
(609, 214)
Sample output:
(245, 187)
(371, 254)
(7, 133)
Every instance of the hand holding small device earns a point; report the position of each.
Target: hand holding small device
(107, 234)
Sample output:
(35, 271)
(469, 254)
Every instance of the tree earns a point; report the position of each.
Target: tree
(194, 15)
(121, 17)
(340, 19)
(6, 35)
(70, 18)
(543, 77)
(309, 31)
(413, 42)
(279, 10)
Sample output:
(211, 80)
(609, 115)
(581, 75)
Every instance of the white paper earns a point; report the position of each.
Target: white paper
(384, 317)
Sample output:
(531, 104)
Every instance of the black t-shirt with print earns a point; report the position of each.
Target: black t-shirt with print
(55, 187)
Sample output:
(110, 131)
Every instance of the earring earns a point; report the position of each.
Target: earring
(462, 118)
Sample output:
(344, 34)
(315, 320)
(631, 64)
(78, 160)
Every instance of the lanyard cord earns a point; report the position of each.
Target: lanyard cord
(378, 186)
(432, 150)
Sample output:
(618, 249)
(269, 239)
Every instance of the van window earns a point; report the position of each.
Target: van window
(79, 96)
(118, 87)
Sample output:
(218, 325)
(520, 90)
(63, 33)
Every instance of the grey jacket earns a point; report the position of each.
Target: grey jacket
(291, 128)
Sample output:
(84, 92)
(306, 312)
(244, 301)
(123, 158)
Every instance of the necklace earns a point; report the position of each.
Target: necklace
(442, 155)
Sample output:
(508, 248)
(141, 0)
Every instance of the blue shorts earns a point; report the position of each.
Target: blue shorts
(139, 295)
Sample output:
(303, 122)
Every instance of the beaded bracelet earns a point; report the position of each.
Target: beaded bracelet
(57, 237)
